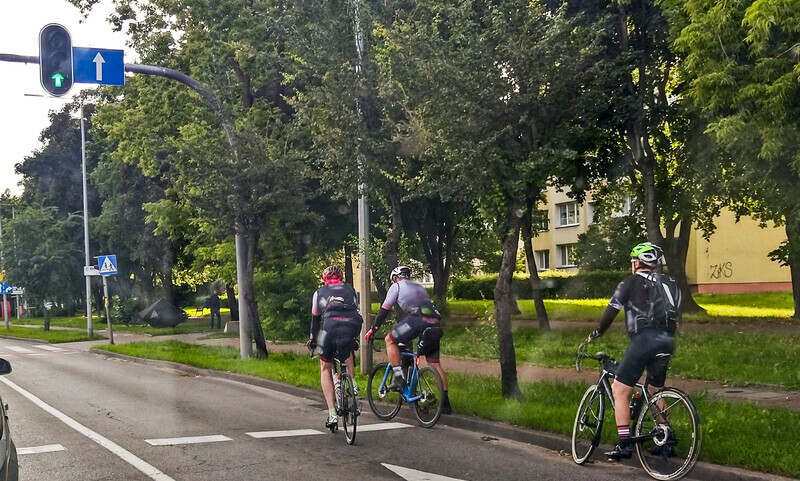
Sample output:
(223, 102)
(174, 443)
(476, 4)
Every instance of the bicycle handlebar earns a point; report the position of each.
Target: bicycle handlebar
(600, 357)
(372, 343)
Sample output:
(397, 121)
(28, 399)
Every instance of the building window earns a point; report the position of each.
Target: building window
(541, 222)
(568, 214)
(566, 255)
(590, 213)
(543, 260)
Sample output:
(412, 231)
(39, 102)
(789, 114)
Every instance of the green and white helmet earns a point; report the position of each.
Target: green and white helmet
(648, 253)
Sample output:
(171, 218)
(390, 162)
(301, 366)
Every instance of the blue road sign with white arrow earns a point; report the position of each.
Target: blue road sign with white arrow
(6, 288)
(98, 66)
(107, 265)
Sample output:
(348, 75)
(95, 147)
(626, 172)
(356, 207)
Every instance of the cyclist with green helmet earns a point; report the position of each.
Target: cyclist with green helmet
(651, 301)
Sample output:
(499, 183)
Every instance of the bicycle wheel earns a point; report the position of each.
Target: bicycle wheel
(429, 385)
(588, 424)
(349, 414)
(671, 426)
(384, 403)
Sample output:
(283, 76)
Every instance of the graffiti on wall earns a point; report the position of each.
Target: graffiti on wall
(718, 271)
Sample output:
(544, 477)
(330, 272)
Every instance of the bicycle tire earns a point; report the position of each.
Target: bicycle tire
(588, 426)
(349, 404)
(429, 385)
(668, 453)
(384, 403)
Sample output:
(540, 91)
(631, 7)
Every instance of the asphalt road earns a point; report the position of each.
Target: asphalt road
(78, 415)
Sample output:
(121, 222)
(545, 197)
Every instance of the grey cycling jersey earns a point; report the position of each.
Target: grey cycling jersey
(410, 296)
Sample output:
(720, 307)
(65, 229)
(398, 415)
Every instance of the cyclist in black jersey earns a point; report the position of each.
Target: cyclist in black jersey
(421, 319)
(651, 301)
(335, 307)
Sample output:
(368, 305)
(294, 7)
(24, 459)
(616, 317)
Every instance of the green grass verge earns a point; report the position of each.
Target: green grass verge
(728, 357)
(53, 336)
(765, 445)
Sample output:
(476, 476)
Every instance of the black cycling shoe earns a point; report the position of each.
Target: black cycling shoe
(446, 409)
(620, 452)
(398, 385)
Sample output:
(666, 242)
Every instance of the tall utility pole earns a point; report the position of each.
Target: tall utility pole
(87, 258)
(364, 288)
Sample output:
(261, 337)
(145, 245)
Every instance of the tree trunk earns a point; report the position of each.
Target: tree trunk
(676, 249)
(250, 302)
(232, 302)
(393, 242)
(348, 264)
(536, 283)
(503, 296)
(792, 237)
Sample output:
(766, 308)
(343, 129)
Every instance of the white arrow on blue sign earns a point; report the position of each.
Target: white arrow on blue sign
(108, 265)
(98, 66)
(6, 288)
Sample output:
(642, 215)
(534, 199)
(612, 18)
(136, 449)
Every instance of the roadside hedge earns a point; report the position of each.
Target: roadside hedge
(556, 285)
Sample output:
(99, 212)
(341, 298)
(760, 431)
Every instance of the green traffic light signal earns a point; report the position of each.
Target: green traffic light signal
(55, 59)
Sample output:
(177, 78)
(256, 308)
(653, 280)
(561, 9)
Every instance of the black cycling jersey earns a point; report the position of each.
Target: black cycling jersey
(636, 293)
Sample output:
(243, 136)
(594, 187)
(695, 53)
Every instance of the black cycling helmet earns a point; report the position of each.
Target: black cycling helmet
(332, 273)
(400, 271)
(649, 253)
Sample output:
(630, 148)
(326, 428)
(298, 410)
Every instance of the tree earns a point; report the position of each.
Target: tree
(742, 59)
(493, 95)
(43, 257)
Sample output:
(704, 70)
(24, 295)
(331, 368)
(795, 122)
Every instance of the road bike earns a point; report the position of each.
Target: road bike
(666, 426)
(345, 397)
(423, 389)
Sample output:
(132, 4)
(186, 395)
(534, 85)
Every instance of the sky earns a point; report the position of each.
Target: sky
(24, 117)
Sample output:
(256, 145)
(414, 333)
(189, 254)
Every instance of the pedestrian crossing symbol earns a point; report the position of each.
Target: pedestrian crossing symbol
(108, 265)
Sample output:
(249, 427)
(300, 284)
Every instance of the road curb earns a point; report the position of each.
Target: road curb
(555, 442)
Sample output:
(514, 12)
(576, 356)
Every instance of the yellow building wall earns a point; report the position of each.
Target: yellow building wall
(735, 258)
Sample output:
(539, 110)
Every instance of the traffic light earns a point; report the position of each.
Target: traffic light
(55, 59)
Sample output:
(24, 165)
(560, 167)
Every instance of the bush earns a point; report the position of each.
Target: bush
(122, 310)
(284, 301)
(555, 284)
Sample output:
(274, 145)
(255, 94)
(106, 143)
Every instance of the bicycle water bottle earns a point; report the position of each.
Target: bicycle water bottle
(636, 405)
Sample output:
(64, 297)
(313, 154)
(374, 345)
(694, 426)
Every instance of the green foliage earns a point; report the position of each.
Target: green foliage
(555, 284)
(607, 245)
(122, 310)
(284, 302)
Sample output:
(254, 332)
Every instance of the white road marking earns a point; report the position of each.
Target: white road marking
(50, 448)
(21, 350)
(188, 440)
(362, 428)
(283, 434)
(116, 449)
(414, 475)
(48, 347)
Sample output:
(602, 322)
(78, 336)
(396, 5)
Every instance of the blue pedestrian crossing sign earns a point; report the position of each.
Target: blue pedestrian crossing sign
(107, 265)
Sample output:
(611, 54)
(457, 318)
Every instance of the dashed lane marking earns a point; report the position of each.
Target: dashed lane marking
(149, 470)
(50, 448)
(283, 434)
(362, 428)
(188, 440)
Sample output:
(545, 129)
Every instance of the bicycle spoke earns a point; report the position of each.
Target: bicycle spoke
(428, 408)
(588, 425)
(384, 403)
(671, 427)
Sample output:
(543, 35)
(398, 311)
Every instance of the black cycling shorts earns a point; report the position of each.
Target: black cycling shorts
(650, 349)
(411, 327)
(337, 339)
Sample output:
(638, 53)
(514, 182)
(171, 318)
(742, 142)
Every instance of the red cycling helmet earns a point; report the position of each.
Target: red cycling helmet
(332, 275)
